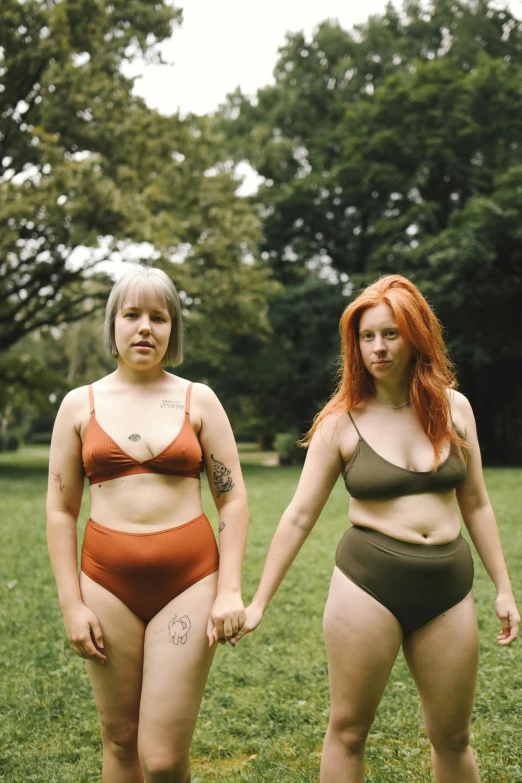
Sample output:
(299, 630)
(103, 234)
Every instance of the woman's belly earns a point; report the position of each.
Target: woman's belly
(145, 502)
(420, 519)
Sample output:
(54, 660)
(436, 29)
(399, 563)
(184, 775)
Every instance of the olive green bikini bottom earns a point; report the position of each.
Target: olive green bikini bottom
(416, 582)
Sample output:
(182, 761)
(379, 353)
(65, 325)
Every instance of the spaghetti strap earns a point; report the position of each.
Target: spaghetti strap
(91, 398)
(187, 401)
(355, 425)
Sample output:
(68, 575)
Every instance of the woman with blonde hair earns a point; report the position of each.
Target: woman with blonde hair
(153, 595)
(406, 444)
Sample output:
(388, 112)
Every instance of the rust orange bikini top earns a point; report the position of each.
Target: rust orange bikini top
(103, 459)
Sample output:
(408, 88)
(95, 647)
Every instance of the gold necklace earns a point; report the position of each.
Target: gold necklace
(394, 408)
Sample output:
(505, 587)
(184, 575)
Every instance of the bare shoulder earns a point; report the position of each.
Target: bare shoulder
(75, 405)
(203, 393)
(205, 400)
(328, 429)
(461, 411)
(459, 402)
(205, 405)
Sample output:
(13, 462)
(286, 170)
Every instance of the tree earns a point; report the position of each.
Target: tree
(374, 142)
(86, 165)
(65, 108)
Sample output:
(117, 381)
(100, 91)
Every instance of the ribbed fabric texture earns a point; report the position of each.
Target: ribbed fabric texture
(103, 459)
(147, 570)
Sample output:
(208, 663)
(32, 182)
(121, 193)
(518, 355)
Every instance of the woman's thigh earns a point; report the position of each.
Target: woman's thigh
(362, 641)
(443, 659)
(117, 684)
(177, 660)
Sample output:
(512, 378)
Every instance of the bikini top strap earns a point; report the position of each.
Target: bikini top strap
(91, 398)
(354, 424)
(187, 401)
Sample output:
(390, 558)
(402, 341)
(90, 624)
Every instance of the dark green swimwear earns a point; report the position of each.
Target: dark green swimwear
(416, 582)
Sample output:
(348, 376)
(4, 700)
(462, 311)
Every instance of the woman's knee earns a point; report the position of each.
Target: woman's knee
(350, 735)
(120, 739)
(162, 766)
(456, 741)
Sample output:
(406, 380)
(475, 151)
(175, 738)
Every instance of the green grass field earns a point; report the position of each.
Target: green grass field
(266, 705)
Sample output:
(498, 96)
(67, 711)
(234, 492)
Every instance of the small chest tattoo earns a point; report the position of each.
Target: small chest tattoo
(134, 436)
(172, 404)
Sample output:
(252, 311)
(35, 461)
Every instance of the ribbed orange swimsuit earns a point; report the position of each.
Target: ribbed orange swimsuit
(146, 570)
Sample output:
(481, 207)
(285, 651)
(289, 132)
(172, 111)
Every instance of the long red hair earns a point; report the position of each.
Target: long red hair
(432, 370)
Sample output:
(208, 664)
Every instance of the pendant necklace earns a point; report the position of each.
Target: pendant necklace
(394, 408)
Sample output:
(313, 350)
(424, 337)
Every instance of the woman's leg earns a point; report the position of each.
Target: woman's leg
(362, 641)
(117, 684)
(443, 659)
(177, 660)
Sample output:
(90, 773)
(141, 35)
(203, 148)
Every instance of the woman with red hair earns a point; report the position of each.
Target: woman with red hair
(406, 444)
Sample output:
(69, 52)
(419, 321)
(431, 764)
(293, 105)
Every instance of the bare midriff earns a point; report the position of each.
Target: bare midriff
(145, 502)
(420, 519)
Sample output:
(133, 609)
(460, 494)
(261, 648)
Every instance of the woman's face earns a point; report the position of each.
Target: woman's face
(142, 329)
(385, 353)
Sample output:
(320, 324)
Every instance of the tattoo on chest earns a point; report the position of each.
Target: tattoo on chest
(222, 525)
(134, 436)
(179, 628)
(58, 480)
(172, 404)
(222, 477)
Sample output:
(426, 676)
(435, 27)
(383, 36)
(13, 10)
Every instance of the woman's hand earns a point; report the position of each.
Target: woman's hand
(254, 615)
(227, 617)
(84, 633)
(509, 616)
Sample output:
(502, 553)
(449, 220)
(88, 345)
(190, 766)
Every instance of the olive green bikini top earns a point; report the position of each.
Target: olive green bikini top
(371, 477)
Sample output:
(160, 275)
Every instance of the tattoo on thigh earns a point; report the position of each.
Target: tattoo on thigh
(172, 404)
(178, 629)
(58, 480)
(222, 477)
(134, 436)
(222, 525)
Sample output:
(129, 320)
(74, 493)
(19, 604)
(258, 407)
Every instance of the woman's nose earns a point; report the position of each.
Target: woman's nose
(144, 324)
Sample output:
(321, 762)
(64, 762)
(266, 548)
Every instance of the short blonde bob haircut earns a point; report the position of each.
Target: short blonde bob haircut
(146, 280)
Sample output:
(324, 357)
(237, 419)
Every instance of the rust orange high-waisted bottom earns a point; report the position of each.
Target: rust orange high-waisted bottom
(147, 570)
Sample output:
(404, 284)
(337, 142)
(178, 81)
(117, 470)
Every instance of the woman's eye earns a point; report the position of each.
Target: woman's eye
(130, 315)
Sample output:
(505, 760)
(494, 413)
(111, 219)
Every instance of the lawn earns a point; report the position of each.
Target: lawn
(266, 705)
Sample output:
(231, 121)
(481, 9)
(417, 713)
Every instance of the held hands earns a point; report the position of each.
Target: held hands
(509, 617)
(254, 615)
(227, 616)
(84, 633)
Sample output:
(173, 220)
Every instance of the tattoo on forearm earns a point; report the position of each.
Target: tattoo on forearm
(222, 477)
(178, 629)
(134, 436)
(58, 480)
(172, 404)
(222, 525)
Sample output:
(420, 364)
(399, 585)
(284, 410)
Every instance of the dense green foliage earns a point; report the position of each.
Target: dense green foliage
(395, 147)
(265, 709)
(87, 166)
(392, 147)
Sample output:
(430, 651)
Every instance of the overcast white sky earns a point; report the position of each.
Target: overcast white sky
(221, 45)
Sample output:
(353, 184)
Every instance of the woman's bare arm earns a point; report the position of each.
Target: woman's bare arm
(320, 472)
(64, 498)
(479, 518)
(228, 490)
